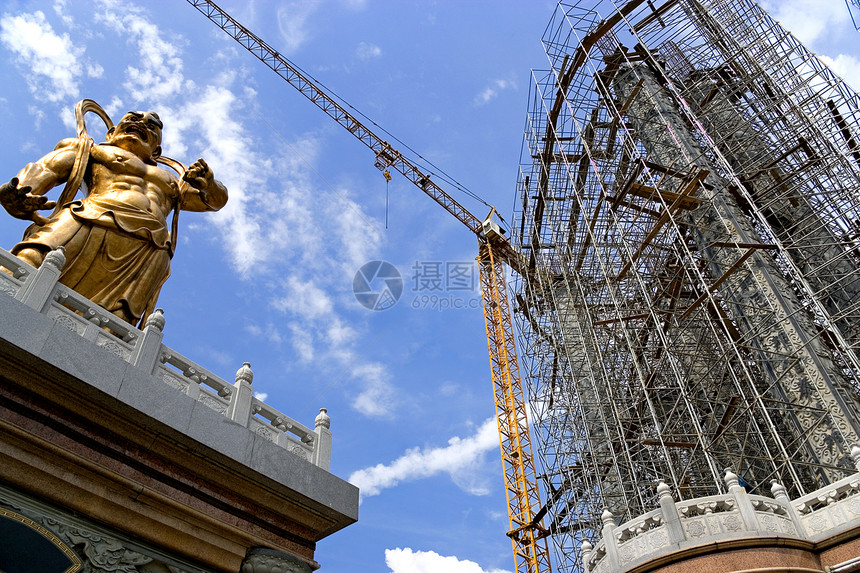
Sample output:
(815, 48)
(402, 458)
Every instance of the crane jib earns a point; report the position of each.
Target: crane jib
(317, 95)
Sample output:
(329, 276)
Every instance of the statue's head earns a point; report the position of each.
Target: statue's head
(140, 133)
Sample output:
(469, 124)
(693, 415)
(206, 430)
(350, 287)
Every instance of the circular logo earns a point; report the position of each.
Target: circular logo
(377, 285)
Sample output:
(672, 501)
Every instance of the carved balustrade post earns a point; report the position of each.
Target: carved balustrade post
(609, 540)
(671, 517)
(243, 396)
(587, 550)
(855, 457)
(36, 291)
(780, 494)
(147, 351)
(322, 447)
(742, 501)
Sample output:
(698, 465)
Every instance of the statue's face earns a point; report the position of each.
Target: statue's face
(138, 132)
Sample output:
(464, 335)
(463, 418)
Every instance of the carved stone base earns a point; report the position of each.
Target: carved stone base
(262, 560)
(89, 547)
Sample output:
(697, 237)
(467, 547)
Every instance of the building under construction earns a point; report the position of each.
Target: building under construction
(689, 206)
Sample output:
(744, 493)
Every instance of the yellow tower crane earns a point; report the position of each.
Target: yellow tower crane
(528, 537)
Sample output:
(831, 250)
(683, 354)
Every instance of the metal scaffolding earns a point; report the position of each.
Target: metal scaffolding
(689, 202)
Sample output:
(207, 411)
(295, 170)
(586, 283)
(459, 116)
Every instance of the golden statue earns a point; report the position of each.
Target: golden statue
(117, 242)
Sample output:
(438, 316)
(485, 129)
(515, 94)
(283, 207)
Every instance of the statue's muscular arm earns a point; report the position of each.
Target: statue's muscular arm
(200, 190)
(23, 196)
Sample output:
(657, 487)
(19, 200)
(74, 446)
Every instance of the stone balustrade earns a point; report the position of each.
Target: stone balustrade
(676, 526)
(39, 289)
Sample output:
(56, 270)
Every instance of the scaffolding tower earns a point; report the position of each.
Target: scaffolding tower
(689, 205)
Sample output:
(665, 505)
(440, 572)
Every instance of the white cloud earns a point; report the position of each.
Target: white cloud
(158, 77)
(95, 70)
(846, 67)
(449, 389)
(293, 23)
(270, 333)
(52, 60)
(807, 19)
(409, 561)
(60, 10)
(114, 107)
(67, 117)
(303, 342)
(304, 299)
(490, 92)
(37, 113)
(228, 149)
(340, 333)
(366, 51)
(815, 23)
(376, 399)
(322, 237)
(357, 235)
(461, 459)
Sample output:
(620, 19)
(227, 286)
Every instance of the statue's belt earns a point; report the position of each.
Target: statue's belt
(106, 212)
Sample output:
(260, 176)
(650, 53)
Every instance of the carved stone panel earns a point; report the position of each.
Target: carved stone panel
(262, 560)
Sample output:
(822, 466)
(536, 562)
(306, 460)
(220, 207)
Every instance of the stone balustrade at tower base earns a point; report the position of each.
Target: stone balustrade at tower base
(119, 454)
(737, 532)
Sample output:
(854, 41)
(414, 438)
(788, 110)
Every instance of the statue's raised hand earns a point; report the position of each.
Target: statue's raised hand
(21, 204)
(199, 175)
(210, 194)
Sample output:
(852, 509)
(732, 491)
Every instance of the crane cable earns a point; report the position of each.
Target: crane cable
(387, 175)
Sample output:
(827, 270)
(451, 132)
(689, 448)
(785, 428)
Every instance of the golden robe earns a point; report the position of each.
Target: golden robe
(117, 256)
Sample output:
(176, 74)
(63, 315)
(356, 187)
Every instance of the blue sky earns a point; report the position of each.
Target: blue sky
(269, 279)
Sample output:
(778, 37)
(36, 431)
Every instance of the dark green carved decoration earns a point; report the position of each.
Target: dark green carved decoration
(27, 547)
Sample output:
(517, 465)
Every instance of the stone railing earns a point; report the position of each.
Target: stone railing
(39, 289)
(680, 525)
